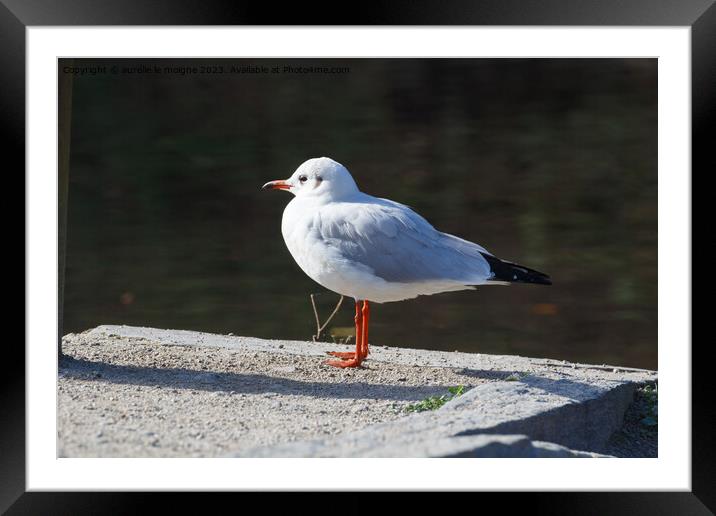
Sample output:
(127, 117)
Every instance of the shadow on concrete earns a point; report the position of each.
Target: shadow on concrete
(179, 378)
(590, 416)
(573, 390)
(488, 375)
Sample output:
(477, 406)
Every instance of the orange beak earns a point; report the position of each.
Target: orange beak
(276, 185)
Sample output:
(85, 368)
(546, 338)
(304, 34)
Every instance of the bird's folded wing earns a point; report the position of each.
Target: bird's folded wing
(399, 245)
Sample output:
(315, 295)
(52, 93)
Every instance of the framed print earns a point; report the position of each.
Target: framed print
(178, 309)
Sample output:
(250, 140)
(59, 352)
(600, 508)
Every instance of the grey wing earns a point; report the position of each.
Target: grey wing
(399, 245)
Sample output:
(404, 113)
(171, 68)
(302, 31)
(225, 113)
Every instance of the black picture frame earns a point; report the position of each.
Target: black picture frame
(17, 15)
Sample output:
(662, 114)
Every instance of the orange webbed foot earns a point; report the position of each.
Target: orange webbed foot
(344, 363)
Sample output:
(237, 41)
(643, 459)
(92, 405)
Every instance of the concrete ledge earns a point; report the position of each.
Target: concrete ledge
(575, 415)
(517, 406)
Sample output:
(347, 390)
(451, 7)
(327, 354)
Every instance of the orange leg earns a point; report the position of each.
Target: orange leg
(359, 332)
(366, 321)
(351, 358)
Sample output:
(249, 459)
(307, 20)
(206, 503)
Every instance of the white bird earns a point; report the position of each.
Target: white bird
(377, 250)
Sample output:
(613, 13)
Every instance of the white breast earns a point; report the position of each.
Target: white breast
(319, 261)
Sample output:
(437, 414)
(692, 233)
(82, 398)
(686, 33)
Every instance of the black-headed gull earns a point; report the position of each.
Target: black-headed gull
(377, 250)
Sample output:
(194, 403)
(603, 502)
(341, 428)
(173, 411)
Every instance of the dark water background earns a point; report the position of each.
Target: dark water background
(547, 162)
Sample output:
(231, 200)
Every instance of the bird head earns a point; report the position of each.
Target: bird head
(320, 178)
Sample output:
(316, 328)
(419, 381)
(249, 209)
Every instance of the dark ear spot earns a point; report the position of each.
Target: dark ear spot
(319, 178)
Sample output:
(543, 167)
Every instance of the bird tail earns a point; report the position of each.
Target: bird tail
(508, 272)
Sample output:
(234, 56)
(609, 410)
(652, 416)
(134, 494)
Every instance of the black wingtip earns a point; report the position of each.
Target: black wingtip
(545, 281)
(514, 273)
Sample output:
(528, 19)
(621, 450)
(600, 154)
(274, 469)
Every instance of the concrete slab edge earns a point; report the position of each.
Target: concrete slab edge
(577, 412)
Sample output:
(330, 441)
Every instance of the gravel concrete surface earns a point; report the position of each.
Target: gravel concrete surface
(126, 391)
(129, 397)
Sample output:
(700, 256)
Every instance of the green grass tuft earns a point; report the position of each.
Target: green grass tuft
(435, 402)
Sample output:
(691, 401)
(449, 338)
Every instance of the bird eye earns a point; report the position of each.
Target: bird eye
(303, 179)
